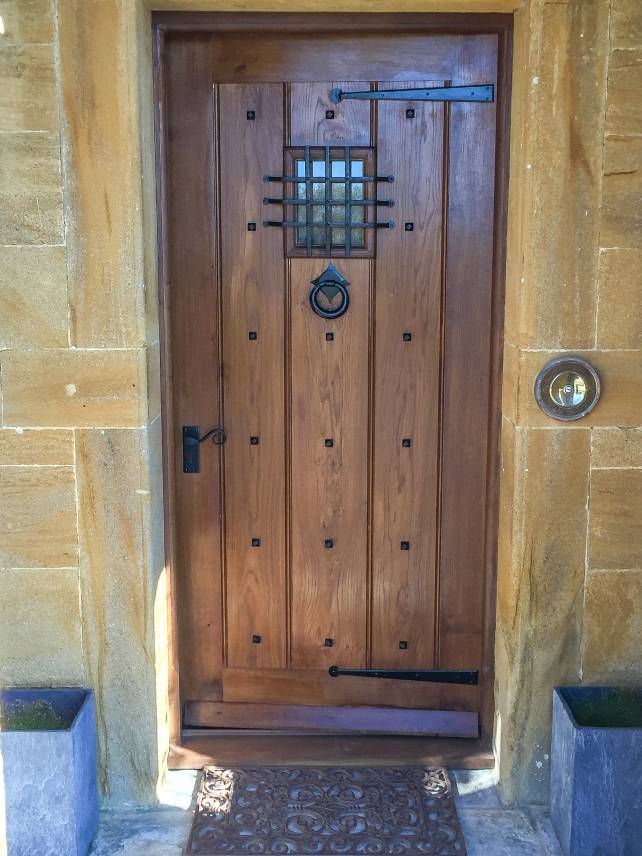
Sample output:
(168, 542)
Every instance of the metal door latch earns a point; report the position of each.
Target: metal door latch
(437, 676)
(192, 445)
(485, 92)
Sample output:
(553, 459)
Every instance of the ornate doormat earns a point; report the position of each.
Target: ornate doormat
(325, 810)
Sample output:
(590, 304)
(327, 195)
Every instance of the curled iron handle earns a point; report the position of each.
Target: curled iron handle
(218, 436)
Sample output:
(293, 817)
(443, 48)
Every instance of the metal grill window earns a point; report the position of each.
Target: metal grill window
(332, 215)
(329, 201)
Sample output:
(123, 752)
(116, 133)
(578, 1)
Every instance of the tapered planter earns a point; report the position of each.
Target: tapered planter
(48, 751)
(596, 764)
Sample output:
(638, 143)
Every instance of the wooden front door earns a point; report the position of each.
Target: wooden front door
(329, 269)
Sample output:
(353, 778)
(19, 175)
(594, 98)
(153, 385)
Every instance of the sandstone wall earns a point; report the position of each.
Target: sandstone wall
(81, 568)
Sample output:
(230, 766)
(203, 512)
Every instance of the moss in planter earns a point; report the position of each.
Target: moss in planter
(30, 716)
(613, 708)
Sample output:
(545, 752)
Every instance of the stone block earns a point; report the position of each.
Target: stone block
(27, 22)
(619, 312)
(30, 189)
(118, 606)
(615, 535)
(626, 24)
(622, 193)
(613, 628)
(40, 636)
(551, 291)
(104, 195)
(50, 793)
(33, 297)
(28, 99)
(623, 104)
(539, 596)
(616, 447)
(36, 448)
(63, 388)
(38, 517)
(621, 400)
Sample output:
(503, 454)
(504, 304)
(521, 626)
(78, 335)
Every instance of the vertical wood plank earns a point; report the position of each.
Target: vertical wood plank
(468, 343)
(407, 384)
(190, 358)
(253, 298)
(329, 484)
(330, 400)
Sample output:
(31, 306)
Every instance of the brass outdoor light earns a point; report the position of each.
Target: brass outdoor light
(567, 388)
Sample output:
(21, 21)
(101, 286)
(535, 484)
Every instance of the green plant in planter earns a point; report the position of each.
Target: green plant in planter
(30, 716)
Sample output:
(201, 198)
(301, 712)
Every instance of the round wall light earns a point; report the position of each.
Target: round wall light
(567, 388)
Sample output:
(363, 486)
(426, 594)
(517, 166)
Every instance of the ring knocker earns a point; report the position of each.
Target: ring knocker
(329, 296)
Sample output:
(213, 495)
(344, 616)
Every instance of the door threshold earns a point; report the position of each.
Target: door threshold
(199, 748)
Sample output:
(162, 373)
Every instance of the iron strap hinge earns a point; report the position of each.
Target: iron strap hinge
(437, 676)
(486, 92)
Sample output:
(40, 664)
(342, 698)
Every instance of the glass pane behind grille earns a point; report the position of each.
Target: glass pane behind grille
(337, 200)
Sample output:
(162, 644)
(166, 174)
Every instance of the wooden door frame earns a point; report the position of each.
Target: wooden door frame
(189, 749)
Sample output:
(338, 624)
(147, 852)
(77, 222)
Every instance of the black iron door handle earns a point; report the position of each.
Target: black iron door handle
(192, 445)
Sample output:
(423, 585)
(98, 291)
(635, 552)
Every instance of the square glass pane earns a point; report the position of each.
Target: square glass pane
(338, 237)
(358, 237)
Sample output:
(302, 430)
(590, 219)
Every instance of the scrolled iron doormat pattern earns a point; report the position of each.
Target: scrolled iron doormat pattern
(325, 810)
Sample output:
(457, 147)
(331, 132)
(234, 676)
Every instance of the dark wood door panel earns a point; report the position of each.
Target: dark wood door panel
(329, 483)
(303, 686)
(252, 311)
(407, 386)
(345, 521)
(345, 720)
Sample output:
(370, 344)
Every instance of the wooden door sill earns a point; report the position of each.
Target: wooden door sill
(199, 748)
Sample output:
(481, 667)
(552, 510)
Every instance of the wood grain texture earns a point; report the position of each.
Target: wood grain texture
(468, 357)
(407, 385)
(329, 485)
(198, 751)
(379, 720)
(309, 125)
(190, 360)
(253, 303)
(303, 686)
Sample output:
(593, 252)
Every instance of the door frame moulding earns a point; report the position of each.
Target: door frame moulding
(193, 750)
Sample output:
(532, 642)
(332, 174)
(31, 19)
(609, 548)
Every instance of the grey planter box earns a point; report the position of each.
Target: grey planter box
(596, 764)
(51, 794)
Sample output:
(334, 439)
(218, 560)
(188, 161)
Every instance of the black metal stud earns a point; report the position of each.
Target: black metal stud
(328, 643)
(409, 227)
(329, 442)
(406, 442)
(256, 542)
(252, 336)
(407, 337)
(254, 441)
(329, 337)
(256, 639)
(410, 113)
(328, 543)
(403, 644)
(329, 114)
(251, 114)
(251, 227)
(405, 545)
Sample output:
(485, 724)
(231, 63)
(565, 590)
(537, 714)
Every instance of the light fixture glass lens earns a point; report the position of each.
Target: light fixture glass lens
(568, 389)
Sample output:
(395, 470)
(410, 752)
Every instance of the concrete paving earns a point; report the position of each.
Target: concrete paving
(490, 829)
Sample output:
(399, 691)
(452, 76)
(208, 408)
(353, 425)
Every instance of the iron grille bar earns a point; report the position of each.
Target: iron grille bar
(301, 178)
(348, 200)
(327, 195)
(386, 224)
(383, 203)
(308, 198)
